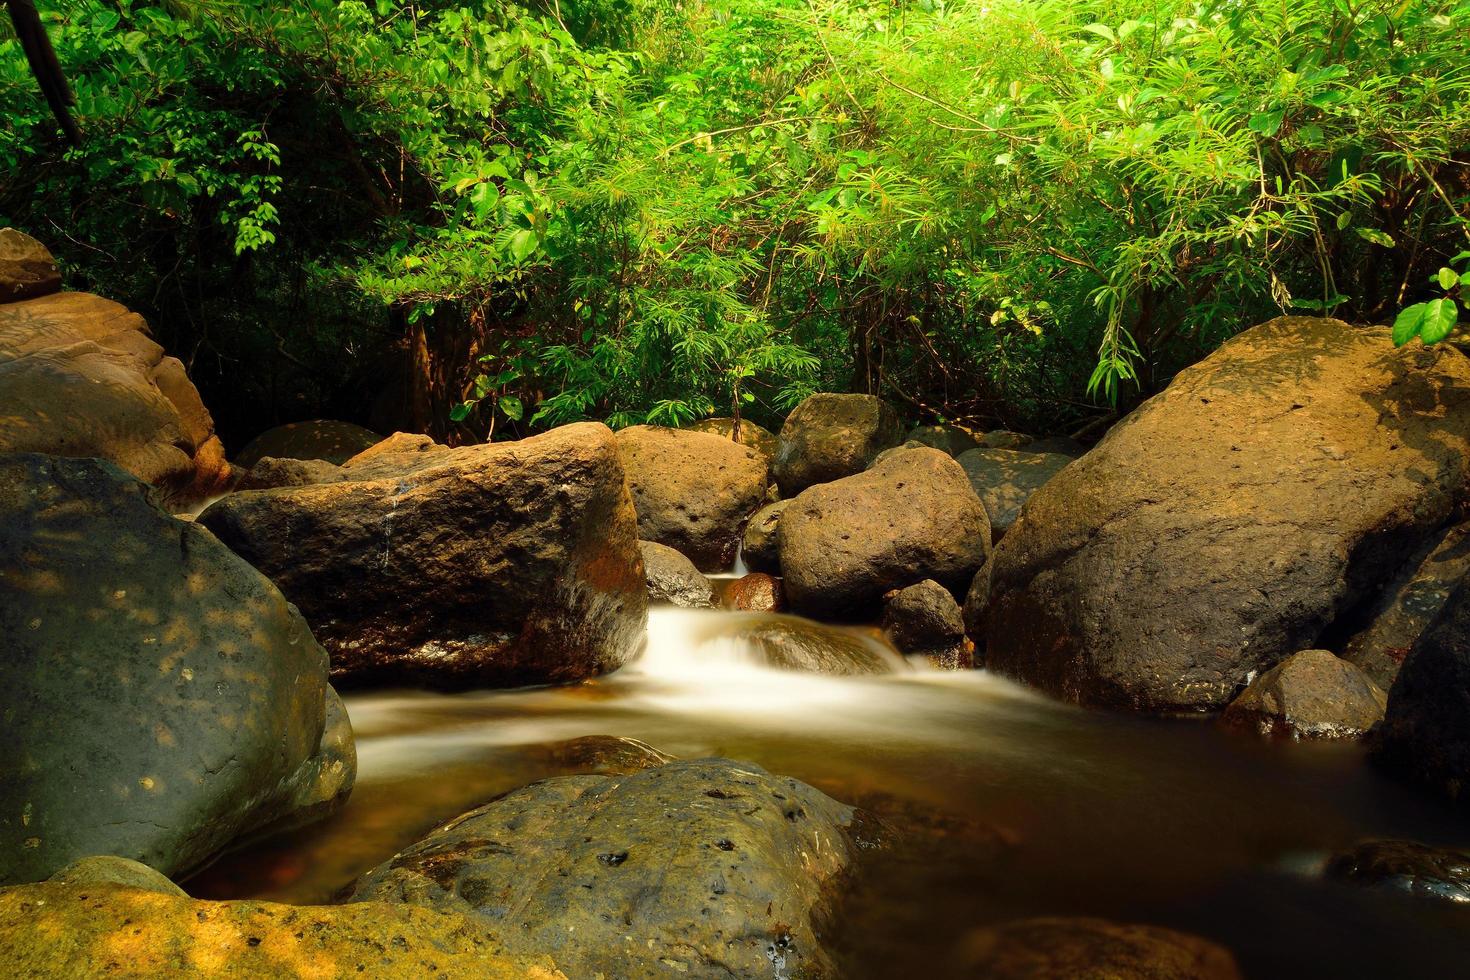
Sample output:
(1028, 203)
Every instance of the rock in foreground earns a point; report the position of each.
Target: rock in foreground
(707, 868)
(692, 490)
(912, 516)
(483, 566)
(1231, 520)
(1311, 694)
(59, 931)
(158, 696)
(828, 437)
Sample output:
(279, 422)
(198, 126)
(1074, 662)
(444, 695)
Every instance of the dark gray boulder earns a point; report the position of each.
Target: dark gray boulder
(1233, 519)
(159, 698)
(707, 868)
(829, 436)
(760, 546)
(673, 579)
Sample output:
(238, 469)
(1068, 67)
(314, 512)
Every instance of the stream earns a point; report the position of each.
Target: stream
(1018, 805)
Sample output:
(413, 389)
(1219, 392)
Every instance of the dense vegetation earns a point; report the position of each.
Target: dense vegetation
(487, 217)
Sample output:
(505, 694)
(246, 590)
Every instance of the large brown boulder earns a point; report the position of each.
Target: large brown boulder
(913, 516)
(316, 439)
(158, 696)
(1005, 478)
(483, 566)
(828, 437)
(77, 931)
(80, 376)
(707, 868)
(761, 440)
(1233, 519)
(27, 269)
(693, 490)
(1425, 735)
(1311, 694)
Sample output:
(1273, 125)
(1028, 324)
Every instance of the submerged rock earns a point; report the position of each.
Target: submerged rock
(1405, 866)
(1093, 949)
(67, 931)
(946, 438)
(761, 440)
(327, 440)
(159, 697)
(1425, 735)
(707, 868)
(483, 566)
(80, 377)
(672, 578)
(1004, 479)
(1311, 694)
(1231, 520)
(924, 619)
(828, 437)
(605, 754)
(27, 269)
(789, 643)
(912, 516)
(692, 490)
(756, 592)
(760, 546)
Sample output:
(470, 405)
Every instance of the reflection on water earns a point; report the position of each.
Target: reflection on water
(1011, 805)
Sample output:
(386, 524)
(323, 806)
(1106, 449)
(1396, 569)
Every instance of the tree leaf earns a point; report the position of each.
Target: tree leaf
(461, 411)
(512, 407)
(1375, 236)
(1439, 319)
(1408, 324)
(1448, 278)
(1268, 124)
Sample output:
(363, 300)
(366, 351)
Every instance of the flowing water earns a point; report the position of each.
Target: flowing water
(1009, 805)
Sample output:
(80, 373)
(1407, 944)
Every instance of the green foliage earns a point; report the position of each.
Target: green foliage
(642, 210)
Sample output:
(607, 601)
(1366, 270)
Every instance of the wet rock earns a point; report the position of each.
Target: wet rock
(924, 619)
(317, 439)
(977, 601)
(1311, 694)
(105, 869)
(56, 931)
(788, 643)
(828, 437)
(761, 440)
(756, 592)
(946, 438)
(1233, 519)
(912, 516)
(760, 546)
(707, 868)
(610, 755)
(1425, 735)
(27, 269)
(160, 698)
(1409, 605)
(1060, 445)
(270, 472)
(1405, 866)
(482, 566)
(1005, 478)
(1093, 949)
(692, 490)
(1004, 439)
(139, 409)
(672, 578)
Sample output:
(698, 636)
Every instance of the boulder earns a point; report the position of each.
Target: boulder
(756, 592)
(317, 439)
(761, 440)
(977, 601)
(1404, 866)
(1311, 694)
(828, 437)
(605, 754)
(1425, 735)
(673, 579)
(1233, 519)
(760, 547)
(68, 931)
(107, 869)
(271, 472)
(706, 868)
(924, 619)
(1409, 604)
(946, 438)
(912, 516)
(1093, 949)
(693, 490)
(791, 643)
(1005, 478)
(1004, 439)
(160, 698)
(27, 269)
(79, 376)
(482, 566)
